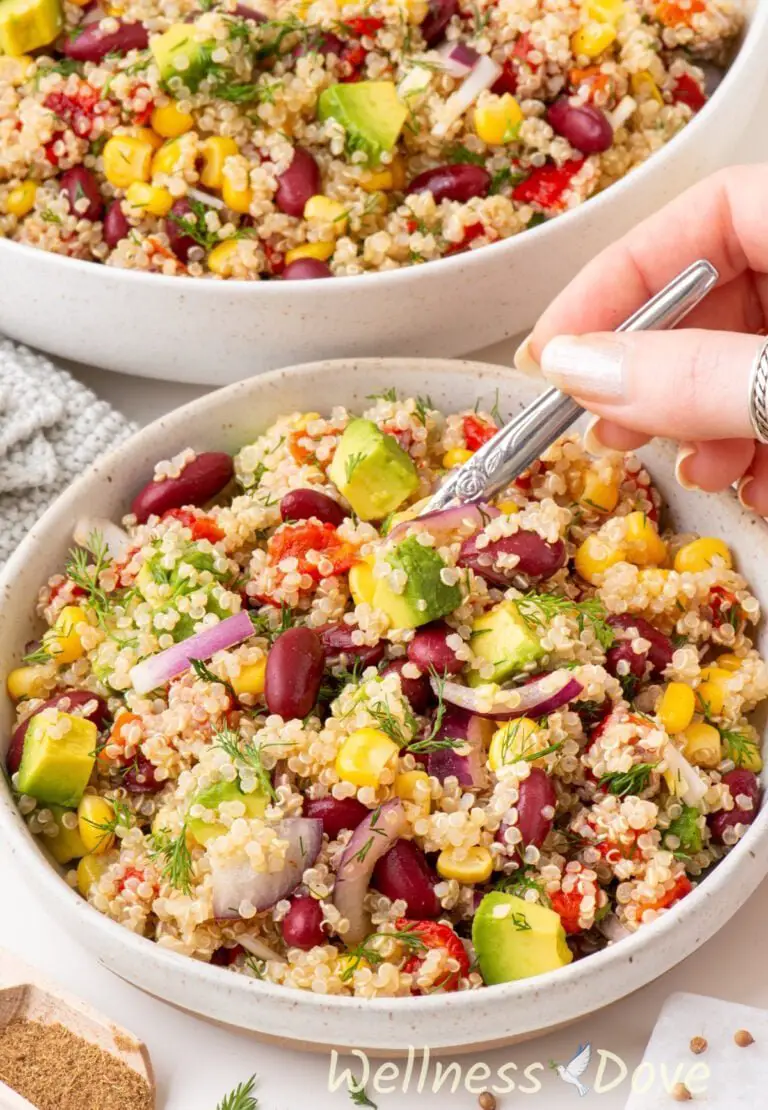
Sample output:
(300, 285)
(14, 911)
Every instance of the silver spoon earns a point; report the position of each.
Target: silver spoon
(528, 435)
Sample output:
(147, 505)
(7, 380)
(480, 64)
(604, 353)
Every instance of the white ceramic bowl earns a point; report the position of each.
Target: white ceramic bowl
(219, 332)
(227, 420)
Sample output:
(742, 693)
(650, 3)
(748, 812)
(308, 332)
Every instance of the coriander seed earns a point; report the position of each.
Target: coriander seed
(698, 1045)
(487, 1101)
(680, 1093)
(743, 1038)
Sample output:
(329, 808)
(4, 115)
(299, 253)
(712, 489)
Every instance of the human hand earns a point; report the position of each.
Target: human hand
(690, 385)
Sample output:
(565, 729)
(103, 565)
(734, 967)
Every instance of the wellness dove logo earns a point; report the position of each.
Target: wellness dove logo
(572, 1072)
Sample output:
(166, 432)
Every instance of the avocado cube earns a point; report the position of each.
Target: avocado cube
(503, 638)
(425, 597)
(26, 25)
(370, 112)
(203, 831)
(515, 939)
(372, 470)
(58, 757)
(67, 844)
(179, 54)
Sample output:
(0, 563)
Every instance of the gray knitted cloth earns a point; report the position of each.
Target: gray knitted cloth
(51, 429)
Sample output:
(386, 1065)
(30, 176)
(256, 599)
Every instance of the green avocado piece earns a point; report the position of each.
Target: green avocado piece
(515, 939)
(687, 829)
(27, 25)
(369, 111)
(160, 586)
(372, 470)
(179, 54)
(425, 597)
(203, 831)
(59, 753)
(503, 638)
(67, 844)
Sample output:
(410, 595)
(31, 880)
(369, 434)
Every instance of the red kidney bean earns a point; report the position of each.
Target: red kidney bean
(460, 182)
(439, 15)
(79, 184)
(302, 925)
(738, 782)
(661, 650)
(429, 650)
(416, 690)
(537, 557)
(245, 11)
(323, 43)
(140, 777)
(535, 794)
(304, 269)
(623, 653)
(116, 226)
(337, 641)
(294, 672)
(298, 183)
(585, 127)
(181, 243)
(336, 814)
(67, 701)
(404, 873)
(93, 44)
(199, 481)
(225, 957)
(301, 504)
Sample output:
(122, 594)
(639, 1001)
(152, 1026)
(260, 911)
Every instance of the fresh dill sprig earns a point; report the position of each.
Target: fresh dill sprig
(335, 682)
(365, 951)
(628, 783)
(351, 464)
(520, 882)
(398, 731)
(86, 573)
(242, 1098)
(463, 155)
(433, 742)
(175, 857)
(256, 966)
(423, 407)
(358, 1094)
(249, 754)
(39, 655)
(741, 748)
(206, 674)
(263, 627)
(539, 610)
(194, 224)
(386, 395)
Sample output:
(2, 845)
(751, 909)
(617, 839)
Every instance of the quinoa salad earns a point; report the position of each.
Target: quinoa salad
(318, 138)
(279, 724)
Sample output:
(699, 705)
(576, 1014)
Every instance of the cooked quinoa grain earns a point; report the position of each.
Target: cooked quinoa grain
(305, 737)
(315, 139)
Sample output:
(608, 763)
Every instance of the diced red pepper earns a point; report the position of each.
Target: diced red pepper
(130, 873)
(50, 156)
(297, 540)
(363, 25)
(353, 57)
(522, 50)
(76, 110)
(594, 79)
(545, 186)
(568, 907)
(474, 231)
(725, 608)
(433, 935)
(477, 432)
(681, 888)
(673, 14)
(201, 527)
(275, 259)
(687, 91)
(509, 79)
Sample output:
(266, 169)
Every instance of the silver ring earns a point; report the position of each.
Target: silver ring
(758, 395)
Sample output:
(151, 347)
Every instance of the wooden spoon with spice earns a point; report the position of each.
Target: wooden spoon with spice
(58, 1053)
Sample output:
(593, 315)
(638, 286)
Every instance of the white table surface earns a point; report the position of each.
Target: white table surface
(197, 1063)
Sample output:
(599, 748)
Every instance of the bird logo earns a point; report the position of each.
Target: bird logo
(572, 1071)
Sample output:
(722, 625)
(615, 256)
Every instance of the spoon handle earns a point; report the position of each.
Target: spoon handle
(528, 435)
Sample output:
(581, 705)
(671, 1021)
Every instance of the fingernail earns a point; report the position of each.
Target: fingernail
(684, 453)
(741, 493)
(591, 439)
(524, 360)
(586, 367)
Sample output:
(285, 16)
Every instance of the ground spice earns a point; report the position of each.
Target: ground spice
(56, 1070)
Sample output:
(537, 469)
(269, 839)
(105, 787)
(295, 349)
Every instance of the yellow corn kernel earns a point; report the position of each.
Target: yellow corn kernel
(321, 250)
(643, 84)
(215, 152)
(89, 871)
(643, 544)
(498, 119)
(167, 120)
(95, 822)
(703, 554)
(251, 678)
(599, 494)
(508, 507)
(29, 682)
(21, 199)
(237, 198)
(168, 158)
(413, 786)
(399, 175)
(713, 690)
(62, 642)
(147, 135)
(512, 741)
(364, 757)
(475, 867)
(594, 556)
(348, 964)
(703, 746)
(456, 457)
(15, 70)
(67, 844)
(149, 198)
(127, 159)
(605, 11)
(222, 256)
(676, 708)
(729, 662)
(323, 210)
(378, 181)
(362, 584)
(593, 39)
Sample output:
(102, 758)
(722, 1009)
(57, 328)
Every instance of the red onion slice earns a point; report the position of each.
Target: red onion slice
(537, 698)
(158, 669)
(448, 525)
(457, 58)
(117, 541)
(234, 883)
(259, 949)
(372, 839)
(485, 74)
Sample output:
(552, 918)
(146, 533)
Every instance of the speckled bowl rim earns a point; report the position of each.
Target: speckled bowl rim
(598, 980)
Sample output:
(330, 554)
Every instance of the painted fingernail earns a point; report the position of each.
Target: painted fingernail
(592, 442)
(524, 360)
(684, 453)
(586, 367)
(741, 491)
